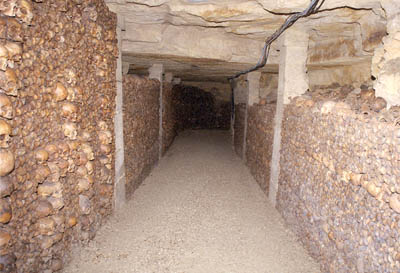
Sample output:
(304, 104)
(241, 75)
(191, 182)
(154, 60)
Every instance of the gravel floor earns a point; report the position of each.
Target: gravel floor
(199, 211)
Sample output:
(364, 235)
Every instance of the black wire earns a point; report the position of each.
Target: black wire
(312, 8)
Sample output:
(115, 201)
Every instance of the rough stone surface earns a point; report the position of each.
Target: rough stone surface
(338, 182)
(62, 121)
(260, 134)
(385, 64)
(141, 128)
(214, 39)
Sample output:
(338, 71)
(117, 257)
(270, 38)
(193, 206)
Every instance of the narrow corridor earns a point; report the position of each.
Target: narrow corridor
(200, 210)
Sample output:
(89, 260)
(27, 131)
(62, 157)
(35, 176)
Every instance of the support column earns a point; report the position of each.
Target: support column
(169, 77)
(120, 180)
(254, 87)
(125, 68)
(240, 93)
(253, 96)
(156, 72)
(293, 81)
(386, 60)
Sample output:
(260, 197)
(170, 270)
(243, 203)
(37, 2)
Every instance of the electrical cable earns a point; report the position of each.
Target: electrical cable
(312, 9)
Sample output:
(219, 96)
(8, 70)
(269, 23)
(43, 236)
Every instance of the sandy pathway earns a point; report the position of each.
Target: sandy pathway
(199, 211)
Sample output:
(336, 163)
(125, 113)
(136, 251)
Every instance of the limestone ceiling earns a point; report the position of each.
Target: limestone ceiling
(215, 38)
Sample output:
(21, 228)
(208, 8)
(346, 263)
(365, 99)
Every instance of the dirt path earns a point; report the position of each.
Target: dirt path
(199, 211)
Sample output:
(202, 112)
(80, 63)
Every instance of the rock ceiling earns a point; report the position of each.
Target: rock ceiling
(212, 39)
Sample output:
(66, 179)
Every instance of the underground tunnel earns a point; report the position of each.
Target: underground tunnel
(178, 136)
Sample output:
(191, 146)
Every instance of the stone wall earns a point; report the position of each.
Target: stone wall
(56, 119)
(239, 127)
(338, 186)
(141, 128)
(260, 135)
(169, 117)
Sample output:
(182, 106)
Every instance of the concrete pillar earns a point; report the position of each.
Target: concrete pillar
(169, 77)
(253, 79)
(386, 59)
(252, 96)
(125, 68)
(156, 72)
(241, 95)
(293, 81)
(120, 180)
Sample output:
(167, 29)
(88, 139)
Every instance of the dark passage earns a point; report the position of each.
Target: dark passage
(198, 109)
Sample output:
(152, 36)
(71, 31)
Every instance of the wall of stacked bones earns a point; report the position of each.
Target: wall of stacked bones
(56, 124)
(183, 108)
(169, 116)
(338, 186)
(239, 128)
(141, 127)
(259, 140)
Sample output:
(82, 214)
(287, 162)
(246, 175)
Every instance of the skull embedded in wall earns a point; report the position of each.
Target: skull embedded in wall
(60, 92)
(88, 151)
(41, 155)
(7, 162)
(14, 30)
(70, 130)
(8, 82)
(70, 77)
(105, 149)
(69, 110)
(3, 57)
(105, 137)
(8, 7)
(85, 136)
(81, 159)
(71, 95)
(103, 125)
(6, 186)
(14, 52)
(327, 107)
(24, 11)
(6, 109)
(5, 132)
(5, 211)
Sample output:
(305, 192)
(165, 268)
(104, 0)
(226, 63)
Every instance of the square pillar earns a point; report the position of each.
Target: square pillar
(120, 180)
(253, 79)
(156, 72)
(241, 94)
(293, 81)
(252, 96)
(169, 77)
(125, 68)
